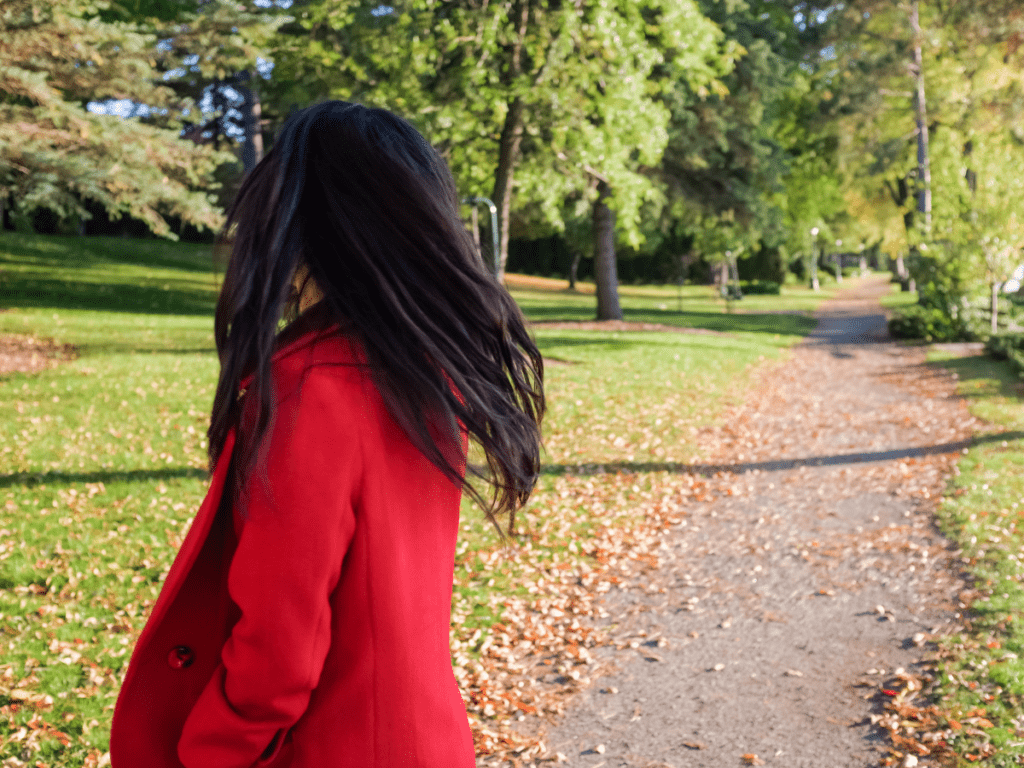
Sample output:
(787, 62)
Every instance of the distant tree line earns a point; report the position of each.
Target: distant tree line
(660, 139)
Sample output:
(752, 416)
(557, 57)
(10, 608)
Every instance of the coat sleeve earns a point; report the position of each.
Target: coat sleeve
(297, 528)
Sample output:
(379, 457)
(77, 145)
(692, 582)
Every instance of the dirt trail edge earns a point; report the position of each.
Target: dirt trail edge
(787, 603)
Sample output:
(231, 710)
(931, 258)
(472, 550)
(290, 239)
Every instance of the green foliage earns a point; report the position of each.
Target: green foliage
(725, 157)
(943, 279)
(928, 324)
(54, 153)
(587, 76)
(949, 304)
(973, 100)
(980, 209)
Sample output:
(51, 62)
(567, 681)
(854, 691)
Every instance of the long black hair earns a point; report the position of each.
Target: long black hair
(361, 199)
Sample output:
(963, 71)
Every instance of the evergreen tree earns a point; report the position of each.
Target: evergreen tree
(56, 57)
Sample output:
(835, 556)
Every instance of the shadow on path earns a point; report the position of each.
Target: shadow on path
(779, 465)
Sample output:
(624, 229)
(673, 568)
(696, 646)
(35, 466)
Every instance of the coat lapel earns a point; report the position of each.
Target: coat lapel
(190, 548)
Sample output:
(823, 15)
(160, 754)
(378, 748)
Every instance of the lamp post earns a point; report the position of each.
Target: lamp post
(815, 285)
(839, 262)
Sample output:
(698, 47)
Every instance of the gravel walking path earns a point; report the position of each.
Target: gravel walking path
(788, 603)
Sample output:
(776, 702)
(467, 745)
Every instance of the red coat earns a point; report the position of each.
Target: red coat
(313, 633)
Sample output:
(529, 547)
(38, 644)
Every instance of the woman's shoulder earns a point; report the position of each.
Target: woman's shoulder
(324, 372)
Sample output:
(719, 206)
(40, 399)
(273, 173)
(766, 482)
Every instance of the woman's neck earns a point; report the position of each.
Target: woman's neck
(309, 291)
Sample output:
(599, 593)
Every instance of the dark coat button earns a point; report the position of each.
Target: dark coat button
(180, 657)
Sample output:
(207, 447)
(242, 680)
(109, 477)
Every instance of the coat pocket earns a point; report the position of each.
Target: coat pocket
(274, 748)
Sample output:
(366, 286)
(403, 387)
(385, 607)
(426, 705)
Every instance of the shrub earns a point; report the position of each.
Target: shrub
(927, 323)
(761, 287)
(1008, 346)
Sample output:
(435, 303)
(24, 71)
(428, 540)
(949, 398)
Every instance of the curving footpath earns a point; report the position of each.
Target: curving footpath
(790, 602)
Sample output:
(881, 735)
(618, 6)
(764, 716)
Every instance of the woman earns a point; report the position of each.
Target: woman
(304, 622)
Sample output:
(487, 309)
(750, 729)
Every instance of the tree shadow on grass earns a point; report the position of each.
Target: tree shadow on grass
(106, 274)
(57, 252)
(24, 291)
(982, 369)
(778, 465)
(33, 479)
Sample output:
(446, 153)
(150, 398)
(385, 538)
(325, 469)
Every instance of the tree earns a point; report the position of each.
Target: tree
(981, 217)
(538, 101)
(934, 101)
(462, 71)
(56, 154)
(758, 155)
(724, 156)
(613, 133)
(208, 54)
(811, 195)
(876, 75)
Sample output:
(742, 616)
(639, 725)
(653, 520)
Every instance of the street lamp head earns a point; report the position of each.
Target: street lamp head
(814, 231)
(839, 243)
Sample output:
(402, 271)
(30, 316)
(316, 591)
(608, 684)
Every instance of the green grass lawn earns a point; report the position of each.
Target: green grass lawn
(980, 690)
(103, 458)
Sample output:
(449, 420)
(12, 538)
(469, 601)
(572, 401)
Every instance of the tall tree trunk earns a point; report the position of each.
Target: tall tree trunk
(511, 138)
(995, 307)
(899, 195)
(252, 144)
(902, 271)
(605, 274)
(574, 269)
(970, 174)
(508, 154)
(924, 173)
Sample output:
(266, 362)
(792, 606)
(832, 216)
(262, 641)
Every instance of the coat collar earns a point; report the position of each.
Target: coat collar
(303, 332)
